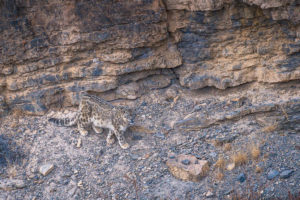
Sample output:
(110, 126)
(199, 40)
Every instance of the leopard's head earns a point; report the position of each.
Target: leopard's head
(126, 117)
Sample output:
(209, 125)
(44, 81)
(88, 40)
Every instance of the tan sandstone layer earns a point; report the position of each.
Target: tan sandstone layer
(51, 51)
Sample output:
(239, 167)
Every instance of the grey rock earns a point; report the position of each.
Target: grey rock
(12, 184)
(272, 174)
(286, 173)
(241, 177)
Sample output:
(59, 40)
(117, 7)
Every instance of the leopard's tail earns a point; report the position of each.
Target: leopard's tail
(64, 121)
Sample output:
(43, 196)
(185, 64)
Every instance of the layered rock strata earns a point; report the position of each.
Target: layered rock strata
(51, 51)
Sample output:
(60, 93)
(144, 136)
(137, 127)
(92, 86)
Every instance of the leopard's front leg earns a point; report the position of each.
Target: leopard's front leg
(121, 139)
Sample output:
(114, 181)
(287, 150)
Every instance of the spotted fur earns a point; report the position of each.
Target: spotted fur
(96, 113)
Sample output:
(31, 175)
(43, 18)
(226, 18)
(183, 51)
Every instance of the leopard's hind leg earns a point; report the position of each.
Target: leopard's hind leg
(121, 139)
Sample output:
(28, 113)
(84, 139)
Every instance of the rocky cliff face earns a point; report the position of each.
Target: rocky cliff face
(51, 51)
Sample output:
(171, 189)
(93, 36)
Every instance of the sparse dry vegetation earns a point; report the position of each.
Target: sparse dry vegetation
(227, 147)
(220, 164)
(255, 151)
(269, 128)
(11, 169)
(239, 158)
(15, 115)
(219, 175)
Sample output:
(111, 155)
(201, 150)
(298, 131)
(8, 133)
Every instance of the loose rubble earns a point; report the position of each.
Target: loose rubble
(169, 167)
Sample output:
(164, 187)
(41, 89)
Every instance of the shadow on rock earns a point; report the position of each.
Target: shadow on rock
(10, 153)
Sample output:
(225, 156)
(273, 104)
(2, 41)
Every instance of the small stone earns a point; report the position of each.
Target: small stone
(186, 162)
(46, 169)
(272, 174)
(241, 177)
(209, 194)
(286, 173)
(31, 176)
(146, 156)
(159, 135)
(11, 184)
(80, 184)
(191, 172)
(78, 143)
(230, 166)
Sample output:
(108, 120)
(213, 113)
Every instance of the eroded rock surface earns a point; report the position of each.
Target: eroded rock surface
(52, 51)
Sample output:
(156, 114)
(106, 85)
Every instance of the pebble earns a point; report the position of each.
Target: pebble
(230, 166)
(46, 169)
(78, 143)
(286, 173)
(241, 177)
(209, 194)
(80, 184)
(272, 174)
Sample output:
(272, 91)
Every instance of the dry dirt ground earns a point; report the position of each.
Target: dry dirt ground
(261, 122)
